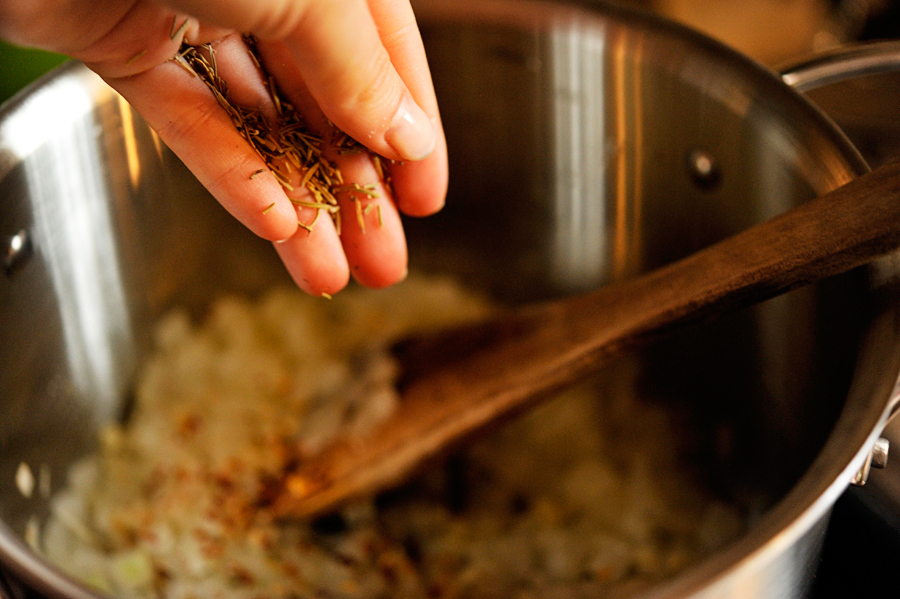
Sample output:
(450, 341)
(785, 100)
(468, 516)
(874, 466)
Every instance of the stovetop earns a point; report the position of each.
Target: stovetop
(861, 553)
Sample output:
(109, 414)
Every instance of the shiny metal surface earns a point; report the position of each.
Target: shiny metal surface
(843, 64)
(18, 250)
(880, 453)
(582, 145)
(857, 87)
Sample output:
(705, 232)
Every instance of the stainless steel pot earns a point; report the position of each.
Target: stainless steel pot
(857, 86)
(587, 144)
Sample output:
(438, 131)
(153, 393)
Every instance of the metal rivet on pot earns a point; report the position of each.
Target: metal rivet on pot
(877, 458)
(880, 453)
(18, 250)
(704, 169)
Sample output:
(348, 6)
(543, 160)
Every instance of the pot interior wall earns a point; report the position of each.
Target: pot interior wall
(583, 148)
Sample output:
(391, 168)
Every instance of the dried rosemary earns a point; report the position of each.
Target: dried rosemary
(135, 57)
(176, 31)
(287, 145)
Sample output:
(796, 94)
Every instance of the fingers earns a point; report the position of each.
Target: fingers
(188, 118)
(119, 38)
(313, 255)
(337, 46)
(371, 241)
(60, 25)
(370, 227)
(371, 231)
(350, 74)
(315, 258)
(361, 65)
(190, 121)
(421, 186)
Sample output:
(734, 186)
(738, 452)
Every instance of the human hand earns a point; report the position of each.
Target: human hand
(358, 63)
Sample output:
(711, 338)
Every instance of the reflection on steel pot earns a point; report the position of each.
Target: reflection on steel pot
(857, 86)
(586, 145)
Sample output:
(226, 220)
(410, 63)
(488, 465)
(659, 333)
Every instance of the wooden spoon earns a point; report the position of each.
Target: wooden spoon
(459, 382)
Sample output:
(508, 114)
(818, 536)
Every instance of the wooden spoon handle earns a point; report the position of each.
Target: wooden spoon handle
(830, 235)
(507, 365)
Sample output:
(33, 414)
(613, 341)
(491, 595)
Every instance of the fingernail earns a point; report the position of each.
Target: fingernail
(411, 134)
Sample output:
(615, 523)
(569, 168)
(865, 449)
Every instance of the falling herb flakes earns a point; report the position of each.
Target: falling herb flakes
(288, 145)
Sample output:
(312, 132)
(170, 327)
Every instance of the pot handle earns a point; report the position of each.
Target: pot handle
(843, 63)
